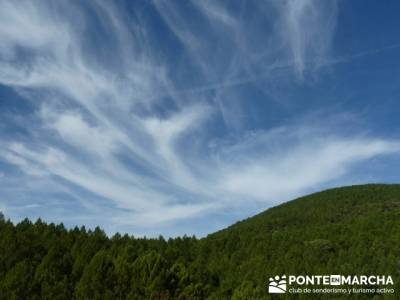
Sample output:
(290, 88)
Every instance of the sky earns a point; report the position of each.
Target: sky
(183, 117)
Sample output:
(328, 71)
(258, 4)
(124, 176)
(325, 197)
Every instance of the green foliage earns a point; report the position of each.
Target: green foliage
(98, 278)
(353, 230)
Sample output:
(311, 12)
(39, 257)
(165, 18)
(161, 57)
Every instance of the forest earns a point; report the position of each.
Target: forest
(351, 230)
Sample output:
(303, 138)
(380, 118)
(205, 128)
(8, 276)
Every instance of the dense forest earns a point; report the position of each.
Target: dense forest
(352, 230)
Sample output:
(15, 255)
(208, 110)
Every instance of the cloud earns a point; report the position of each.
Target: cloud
(284, 173)
(136, 136)
(307, 28)
(76, 132)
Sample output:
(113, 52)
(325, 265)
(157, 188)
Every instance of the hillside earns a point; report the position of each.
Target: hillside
(350, 231)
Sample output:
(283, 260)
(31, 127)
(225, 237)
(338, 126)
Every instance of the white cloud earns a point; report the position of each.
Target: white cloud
(22, 25)
(166, 134)
(307, 28)
(74, 130)
(285, 174)
(216, 11)
(171, 213)
(99, 126)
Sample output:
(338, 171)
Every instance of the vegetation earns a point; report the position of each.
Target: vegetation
(352, 230)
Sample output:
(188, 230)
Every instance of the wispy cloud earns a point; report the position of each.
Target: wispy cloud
(281, 174)
(307, 28)
(142, 137)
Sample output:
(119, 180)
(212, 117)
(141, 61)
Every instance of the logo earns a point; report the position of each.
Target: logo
(277, 285)
(342, 284)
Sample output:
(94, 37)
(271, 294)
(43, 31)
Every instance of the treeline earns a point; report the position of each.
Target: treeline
(354, 231)
(40, 261)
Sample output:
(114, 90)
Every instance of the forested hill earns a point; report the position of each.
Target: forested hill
(352, 230)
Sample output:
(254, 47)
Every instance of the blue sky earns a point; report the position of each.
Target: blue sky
(182, 117)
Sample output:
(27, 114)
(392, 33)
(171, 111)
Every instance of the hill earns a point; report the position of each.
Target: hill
(351, 231)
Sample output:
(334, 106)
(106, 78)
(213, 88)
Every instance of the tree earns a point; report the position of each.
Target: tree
(52, 274)
(17, 284)
(149, 276)
(98, 278)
